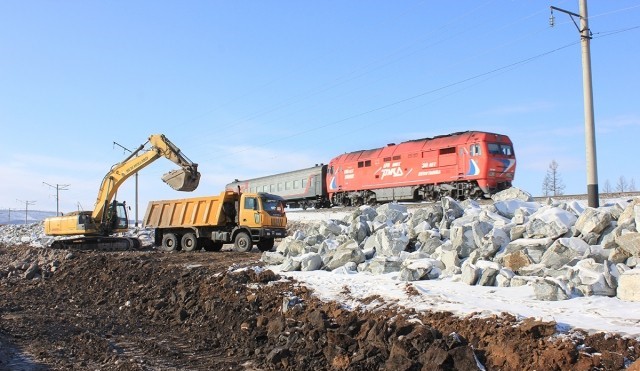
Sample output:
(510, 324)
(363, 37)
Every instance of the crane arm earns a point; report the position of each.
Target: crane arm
(185, 179)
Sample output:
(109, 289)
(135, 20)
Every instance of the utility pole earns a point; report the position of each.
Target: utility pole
(58, 187)
(26, 208)
(128, 150)
(589, 126)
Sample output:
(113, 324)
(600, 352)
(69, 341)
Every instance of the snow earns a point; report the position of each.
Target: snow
(592, 313)
(350, 288)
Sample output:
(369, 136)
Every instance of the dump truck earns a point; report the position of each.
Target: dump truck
(209, 222)
(96, 228)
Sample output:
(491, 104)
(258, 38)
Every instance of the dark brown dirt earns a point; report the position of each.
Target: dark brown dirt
(149, 310)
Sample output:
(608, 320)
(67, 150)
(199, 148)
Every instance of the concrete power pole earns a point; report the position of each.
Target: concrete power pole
(58, 187)
(589, 125)
(26, 208)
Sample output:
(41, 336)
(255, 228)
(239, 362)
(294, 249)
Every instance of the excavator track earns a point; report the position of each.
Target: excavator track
(98, 243)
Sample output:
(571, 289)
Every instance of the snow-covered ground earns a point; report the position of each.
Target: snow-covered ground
(590, 313)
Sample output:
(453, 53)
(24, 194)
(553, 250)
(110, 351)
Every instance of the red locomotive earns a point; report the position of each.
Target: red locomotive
(469, 164)
(461, 165)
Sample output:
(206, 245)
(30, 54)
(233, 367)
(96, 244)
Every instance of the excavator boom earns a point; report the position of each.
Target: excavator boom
(185, 179)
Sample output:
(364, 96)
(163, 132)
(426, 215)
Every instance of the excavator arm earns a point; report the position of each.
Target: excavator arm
(186, 179)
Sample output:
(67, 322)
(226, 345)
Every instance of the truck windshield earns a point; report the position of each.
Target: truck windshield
(274, 207)
(500, 149)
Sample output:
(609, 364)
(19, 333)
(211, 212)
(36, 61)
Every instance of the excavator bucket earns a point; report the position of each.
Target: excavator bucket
(182, 180)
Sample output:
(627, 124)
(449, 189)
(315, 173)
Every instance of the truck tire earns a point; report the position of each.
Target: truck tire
(170, 242)
(266, 244)
(189, 242)
(243, 242)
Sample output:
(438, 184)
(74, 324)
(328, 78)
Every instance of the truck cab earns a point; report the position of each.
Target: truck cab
(262, 214)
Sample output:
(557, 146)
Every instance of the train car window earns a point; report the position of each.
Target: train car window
(331, 170)
(280, 186)
(296, 184)
(494, 148)
(506, 149)
(448, 150)
(387, 159)
(396, 158)
(272, 188)
(360, 163)
(474, 149)
(304, 183)
(367, 163)
(287, 185)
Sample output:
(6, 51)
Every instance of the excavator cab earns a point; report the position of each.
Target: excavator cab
(182, 180)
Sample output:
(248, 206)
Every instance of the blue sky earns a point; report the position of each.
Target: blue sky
(252, 88)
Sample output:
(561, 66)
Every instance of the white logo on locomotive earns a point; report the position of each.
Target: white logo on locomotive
(393, 170)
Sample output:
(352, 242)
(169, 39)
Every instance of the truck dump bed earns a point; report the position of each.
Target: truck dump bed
(191, 212)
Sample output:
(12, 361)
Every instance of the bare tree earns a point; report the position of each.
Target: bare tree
(552, 184)
(606, 189)
(632, 185)
(622, 185)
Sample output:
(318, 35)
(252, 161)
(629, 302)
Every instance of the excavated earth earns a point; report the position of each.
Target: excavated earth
(154, 310)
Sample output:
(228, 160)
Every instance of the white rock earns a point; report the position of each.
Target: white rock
(629, 285)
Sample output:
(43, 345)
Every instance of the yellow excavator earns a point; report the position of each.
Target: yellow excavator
(97, 228)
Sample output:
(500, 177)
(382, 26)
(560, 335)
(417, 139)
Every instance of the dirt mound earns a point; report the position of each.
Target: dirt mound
(151, 310)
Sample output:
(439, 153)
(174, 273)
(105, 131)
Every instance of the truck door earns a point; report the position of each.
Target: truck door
(250, 212)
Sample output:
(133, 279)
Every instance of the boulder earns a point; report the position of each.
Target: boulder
(331, 227)
(516, 260)
(563, 251)
(310, 262)
(290, 246)
(549, 289)
(419, 269)
(628, 218)
(272, 258)
(592, 278)
(388, 241)
(629, 285)
(470, 273)
(550, 222)
(512, 193)
(382, 265)
(347, 252)
(593, 220)
(512, 207)
(630, 242)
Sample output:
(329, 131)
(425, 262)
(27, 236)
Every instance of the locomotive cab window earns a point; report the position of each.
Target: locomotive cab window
(494, 148)
(500, 149)
(474, 149)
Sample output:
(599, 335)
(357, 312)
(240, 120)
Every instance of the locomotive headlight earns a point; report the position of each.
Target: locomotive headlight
(492, 173)
(510, 175)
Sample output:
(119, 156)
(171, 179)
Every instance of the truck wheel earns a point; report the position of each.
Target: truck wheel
(243, 242)
(170, 242)
(189, 242)
(266, 244)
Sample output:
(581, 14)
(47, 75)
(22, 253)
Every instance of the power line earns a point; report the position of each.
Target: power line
(404, 100)
(26, 208)
(58, 187)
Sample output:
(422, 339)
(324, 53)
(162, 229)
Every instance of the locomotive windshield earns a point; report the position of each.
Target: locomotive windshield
(500, 149)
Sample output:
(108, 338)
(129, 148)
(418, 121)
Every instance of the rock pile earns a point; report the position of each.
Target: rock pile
(562, 249)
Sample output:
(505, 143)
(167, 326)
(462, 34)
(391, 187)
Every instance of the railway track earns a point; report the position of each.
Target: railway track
(416, 205)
